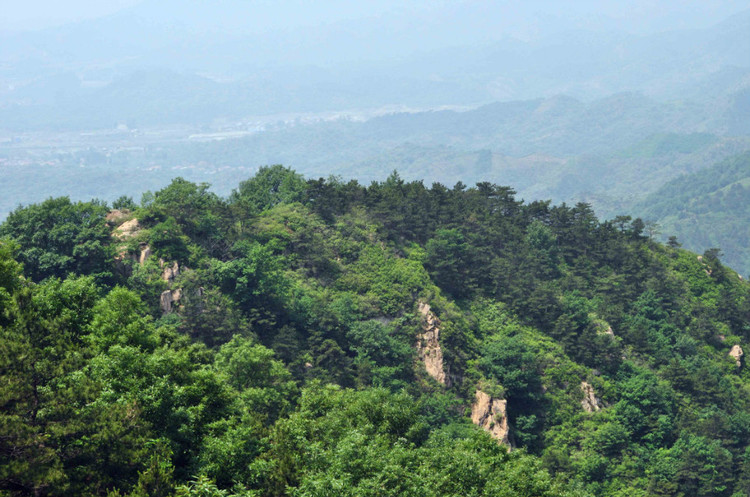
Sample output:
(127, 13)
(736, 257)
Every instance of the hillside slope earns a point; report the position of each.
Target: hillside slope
(319, 337)
(709, 208)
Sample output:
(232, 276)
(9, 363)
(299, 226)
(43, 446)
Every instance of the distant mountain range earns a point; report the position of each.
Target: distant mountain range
(149, 67)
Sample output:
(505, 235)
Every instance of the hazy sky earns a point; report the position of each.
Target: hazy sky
(634, 15)
(33, 14)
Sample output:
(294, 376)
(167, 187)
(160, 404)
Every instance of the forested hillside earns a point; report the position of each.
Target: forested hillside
(321, 337)
(709, 208)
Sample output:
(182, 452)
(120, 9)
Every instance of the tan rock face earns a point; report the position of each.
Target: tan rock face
(168, 298)
(490, 415)
(123, 232)
(736, 353)
(127, 230)
(171, 272)
(145, 254)
(590, 402)
(428, 345)
(165, 301)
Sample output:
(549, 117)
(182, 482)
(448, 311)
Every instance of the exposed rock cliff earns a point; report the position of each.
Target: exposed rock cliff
(168, 298)
(590, 402)
(130, 229)
(490, 415)
(170, 272)
(127, 230)
(124, 232)
(145, 254)
(428, 345)
(736, 353)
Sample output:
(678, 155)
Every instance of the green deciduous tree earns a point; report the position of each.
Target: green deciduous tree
(58, 236)
(271, 185)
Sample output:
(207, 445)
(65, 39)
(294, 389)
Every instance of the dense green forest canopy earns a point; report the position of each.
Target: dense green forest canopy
(320, 337)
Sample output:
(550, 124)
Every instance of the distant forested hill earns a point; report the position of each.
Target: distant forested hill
(312, 337)
(709, 208)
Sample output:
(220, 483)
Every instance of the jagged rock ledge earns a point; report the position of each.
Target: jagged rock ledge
(168, 298)
(428, 345)
(590, 402)
(490, 415)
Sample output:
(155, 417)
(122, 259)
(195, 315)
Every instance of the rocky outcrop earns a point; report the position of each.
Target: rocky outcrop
(490, 415)
(168, 299)
(590, 402)
(736, 353)
(145, 254)
(170, 272)
(122, 233)
(127, 230)
(124, 254)
(428, 345)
